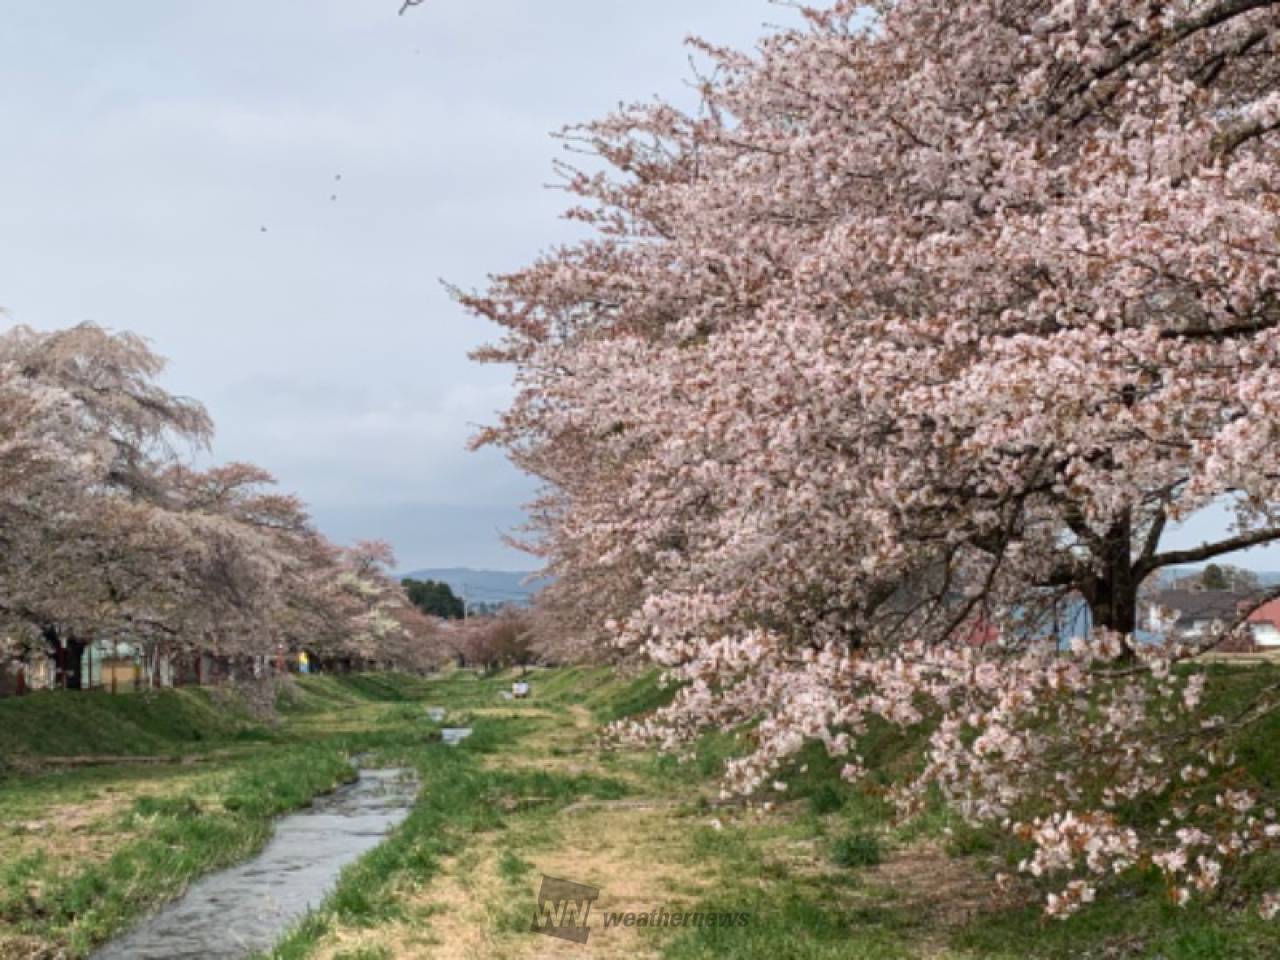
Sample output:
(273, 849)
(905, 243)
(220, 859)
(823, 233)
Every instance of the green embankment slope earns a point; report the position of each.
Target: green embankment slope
(828, 874)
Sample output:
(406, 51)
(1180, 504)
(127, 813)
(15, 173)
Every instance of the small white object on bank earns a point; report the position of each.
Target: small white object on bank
(455, 735)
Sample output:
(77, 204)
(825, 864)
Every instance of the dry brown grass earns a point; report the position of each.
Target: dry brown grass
(640, 852)
(637, 858)
(631, 849)
(14, 947)
(948, 891)
(90, 830)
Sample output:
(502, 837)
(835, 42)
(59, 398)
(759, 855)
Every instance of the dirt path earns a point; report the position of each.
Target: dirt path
(475, 908)
(479, 904)
(641, 852)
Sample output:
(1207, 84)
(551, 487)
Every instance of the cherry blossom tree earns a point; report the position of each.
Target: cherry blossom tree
(372, 621)
(493, 642)
(106, 529)
(98, 429)
(919, 333)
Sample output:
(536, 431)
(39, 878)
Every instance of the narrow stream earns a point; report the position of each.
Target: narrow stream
(233, 913)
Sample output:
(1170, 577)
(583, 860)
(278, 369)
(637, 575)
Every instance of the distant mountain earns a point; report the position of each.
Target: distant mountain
(484, 586)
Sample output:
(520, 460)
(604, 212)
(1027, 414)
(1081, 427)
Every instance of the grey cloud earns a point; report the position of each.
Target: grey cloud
(148, 143)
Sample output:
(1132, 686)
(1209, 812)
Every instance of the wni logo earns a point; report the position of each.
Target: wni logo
(563, 907)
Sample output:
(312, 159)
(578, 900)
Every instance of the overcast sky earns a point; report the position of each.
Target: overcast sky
(147, 143)
(170, 167)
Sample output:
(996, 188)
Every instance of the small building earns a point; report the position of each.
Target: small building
(1265, 624)
(1190, 614)
(113, 666)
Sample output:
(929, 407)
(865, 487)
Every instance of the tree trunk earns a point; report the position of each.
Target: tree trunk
(53, 649)
(1112, 593)
(73, 664)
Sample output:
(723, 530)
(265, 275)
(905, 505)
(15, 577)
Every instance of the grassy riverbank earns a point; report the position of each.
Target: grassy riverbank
(97, 724)
(111, 804)
(827, 874)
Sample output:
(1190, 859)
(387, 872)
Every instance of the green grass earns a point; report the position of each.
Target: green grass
(805, 917)
(1137, 924)
(326, 692)
(1132, 916)
(513, 868)
(856, 826)
(623, 698)
(791, 925)
(178, 820)
(702, 762)
(365, 953)
(173, 839)
(459, 798)
(75, 724)
(860, 849)
(607, 694)
(835, 908)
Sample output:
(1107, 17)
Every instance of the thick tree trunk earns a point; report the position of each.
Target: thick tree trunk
(1112, 593)
(56, 653)
(73, 664)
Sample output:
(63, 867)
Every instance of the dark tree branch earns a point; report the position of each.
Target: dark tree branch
(1152, 542)
(1127, 58)
(1235, 138)
(1207, 551)
(1265, 321)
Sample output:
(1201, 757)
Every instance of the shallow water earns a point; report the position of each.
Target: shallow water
(230, 914)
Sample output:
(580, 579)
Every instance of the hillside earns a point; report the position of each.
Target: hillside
(484, 586)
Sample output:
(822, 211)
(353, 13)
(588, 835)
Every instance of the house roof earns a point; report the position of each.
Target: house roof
(1269, 612)
(1197, 606)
